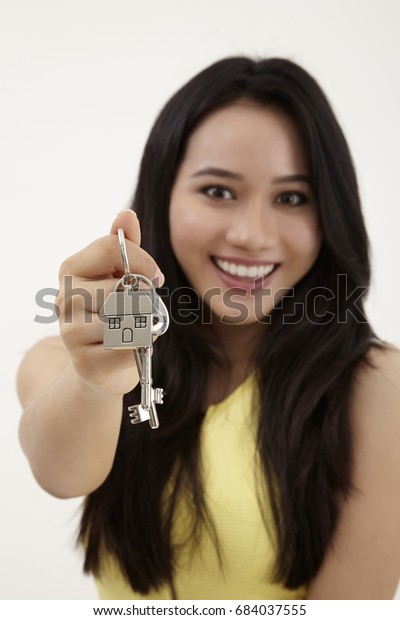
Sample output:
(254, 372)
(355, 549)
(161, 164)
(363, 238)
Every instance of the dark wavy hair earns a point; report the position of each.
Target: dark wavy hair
(305, 365)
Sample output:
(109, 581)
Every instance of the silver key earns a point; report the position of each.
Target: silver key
(149, 396)
(134, 316)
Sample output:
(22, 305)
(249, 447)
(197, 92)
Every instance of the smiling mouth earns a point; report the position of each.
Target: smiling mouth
(244, 272)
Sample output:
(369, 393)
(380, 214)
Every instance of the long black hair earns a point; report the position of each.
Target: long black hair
(305, 365)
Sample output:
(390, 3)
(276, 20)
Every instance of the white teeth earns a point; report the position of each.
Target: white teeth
(243, 271)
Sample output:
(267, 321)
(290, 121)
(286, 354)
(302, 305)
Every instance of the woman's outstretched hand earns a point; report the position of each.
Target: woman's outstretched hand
(71, 388)
(86, 280)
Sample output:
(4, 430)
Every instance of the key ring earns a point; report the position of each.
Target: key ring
(133, 280)
(122, 245)
(129, 278)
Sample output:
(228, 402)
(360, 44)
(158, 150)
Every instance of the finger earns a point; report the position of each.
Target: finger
(113, 370)
(127, 220)
(89, 330)
(103, 257)
(81, 296)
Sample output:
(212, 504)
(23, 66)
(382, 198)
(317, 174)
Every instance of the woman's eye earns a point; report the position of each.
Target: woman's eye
(292, 199)
(218, 192)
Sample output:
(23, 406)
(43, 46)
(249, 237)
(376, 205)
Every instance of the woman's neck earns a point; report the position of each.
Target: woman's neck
(239, 344)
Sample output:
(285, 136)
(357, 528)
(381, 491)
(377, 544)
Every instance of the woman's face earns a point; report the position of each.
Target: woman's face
(243, 218)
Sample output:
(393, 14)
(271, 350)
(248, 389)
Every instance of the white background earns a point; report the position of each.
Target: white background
(80, 84)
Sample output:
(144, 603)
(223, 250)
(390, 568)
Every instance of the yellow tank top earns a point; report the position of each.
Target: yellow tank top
(228, 455)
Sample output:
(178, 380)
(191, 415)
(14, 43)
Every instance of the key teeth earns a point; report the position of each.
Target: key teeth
(135, 418)
(158, 395)
(138, 414)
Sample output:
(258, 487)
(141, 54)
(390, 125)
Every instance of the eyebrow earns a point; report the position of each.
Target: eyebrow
(293, 178)
(217, 172)
(228, 174)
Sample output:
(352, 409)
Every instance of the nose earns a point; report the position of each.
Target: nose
(253, 227)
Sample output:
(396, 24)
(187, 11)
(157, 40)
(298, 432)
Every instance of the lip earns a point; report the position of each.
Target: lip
(233, 282)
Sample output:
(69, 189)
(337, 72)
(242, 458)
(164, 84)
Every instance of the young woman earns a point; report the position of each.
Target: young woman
(275, 471)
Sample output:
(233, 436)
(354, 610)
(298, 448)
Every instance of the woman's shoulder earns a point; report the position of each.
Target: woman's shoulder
(376, 388)
(375, 411)
(364, 559)
(384, 356)
(371, 516)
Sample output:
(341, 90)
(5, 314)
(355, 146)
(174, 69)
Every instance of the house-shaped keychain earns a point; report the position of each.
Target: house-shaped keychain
(128, 322)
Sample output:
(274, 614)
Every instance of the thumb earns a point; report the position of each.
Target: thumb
(127, 220)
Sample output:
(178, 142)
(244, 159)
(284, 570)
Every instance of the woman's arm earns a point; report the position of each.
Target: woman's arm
(71, 388)
(364, 559)
(68, 431)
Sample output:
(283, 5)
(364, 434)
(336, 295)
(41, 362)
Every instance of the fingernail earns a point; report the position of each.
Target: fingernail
(127, 211)
(158, 279)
